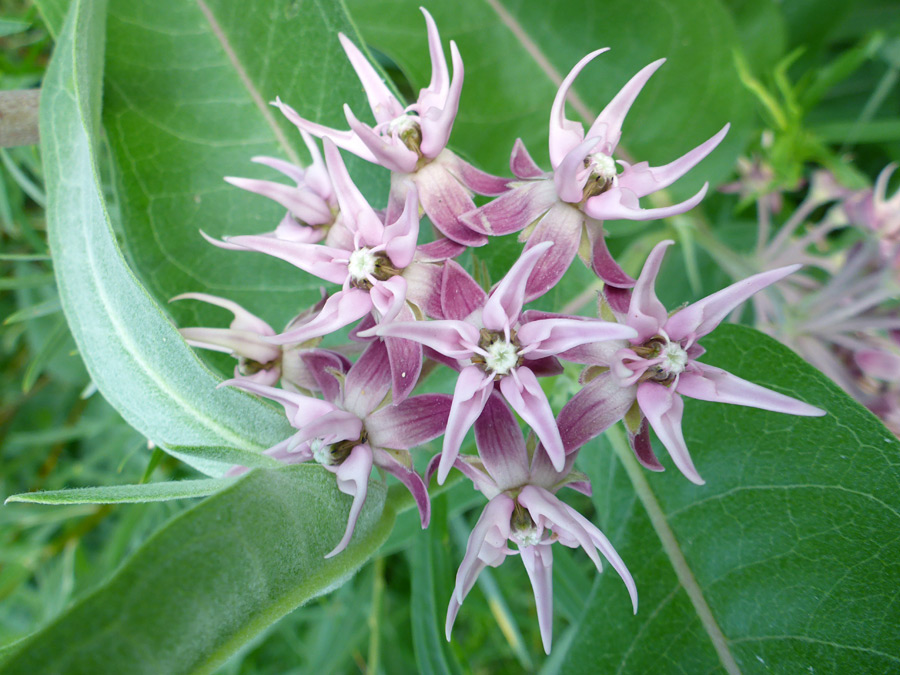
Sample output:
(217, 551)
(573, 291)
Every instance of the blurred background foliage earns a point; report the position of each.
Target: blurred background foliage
(824, 78)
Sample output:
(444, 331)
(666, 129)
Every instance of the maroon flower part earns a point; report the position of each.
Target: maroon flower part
(525, 510)
(351, 430)
(584, 188)
(659, 366)
(496, 348)
(259, 360)
(411, 141)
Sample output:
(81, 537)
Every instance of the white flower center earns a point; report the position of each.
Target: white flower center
(527, 536)
(602, 165)
(362, 264)
(401, 124)
(501, 357)
(675, 358)
(321, 452)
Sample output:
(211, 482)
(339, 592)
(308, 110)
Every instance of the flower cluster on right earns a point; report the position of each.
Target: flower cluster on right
(411, 308)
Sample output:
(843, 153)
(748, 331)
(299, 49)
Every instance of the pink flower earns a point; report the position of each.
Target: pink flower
(495, 347)
(872, 209)
(584, 188)
(259, 360)
(411, 141)
(659, 366)
(524, 509)
(352, 430)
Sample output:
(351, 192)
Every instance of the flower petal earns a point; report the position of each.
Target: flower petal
(353, 479)
(501, 445)
(602, 262)
(619, 203)
(645, 312)
(436, 91)
(389, 298)
(664, 409)
(292, 171)
(410, 479)
(314, 370)
(389, 152)
(552, 336)
(444, 200)
(346, 140)
(300, 409)
(235, 342)
(700, 318)
(439, 249)
(600, 404)
(514, 210)
(521, 164)
(356, 213)
(405, 359)
(643, 448)
(564, 134)
(341, 309)
(642, 179)
(562, 225)
(475, 179)
(504, 304)
(411, 423)
(469, 398)
(715, 384)
(368, 381)
(316, 259)
(384, 105)
(448, 337)
(526, 397)
(401, 236)
(538, 561)
(460, 293)
(303, 203)
(436, 118)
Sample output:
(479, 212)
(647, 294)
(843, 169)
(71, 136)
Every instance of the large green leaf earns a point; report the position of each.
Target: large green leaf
(517, 51)
(212, 579)
(787, 560)
(134, 354)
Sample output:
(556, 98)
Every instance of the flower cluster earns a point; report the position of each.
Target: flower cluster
(410, 303)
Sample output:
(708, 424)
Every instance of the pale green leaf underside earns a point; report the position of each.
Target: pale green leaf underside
(212, 579)
(126, 494)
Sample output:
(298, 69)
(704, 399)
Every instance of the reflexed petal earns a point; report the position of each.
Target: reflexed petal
(553, 336)
(602, 262)
(514, 210)
(332, 427)
(235, 342)
(504, 304)
(290, 229)
(547, 366)
(356, 213)
(695, 321)
(292, 171)
(475, 179)
(645, 312)
(622, 204)
(243, 320)
(305, 204)
(450, 338)
(346, 140)
(316, 259)
(440, 249)
(353, 479)
(570, 176)
(561, 225)
(382, 102)
(409, 478)
(643, 448)
(600, 404)
(341, 309)
(300, 409)
(316, 174)
(444, 200)
(423, 287)
(411, 423)
(715, 384)
(526, 397)
(389, 298)
(664, 409)
(521, 164)
(314, 370)
(564, 134)
(538, 561)
(609, 122)
(368, 381)
(437, 122)
(469, 398)
(401, 236)
(460, 293)
(473, 469)
(642, 179)
(405, 359)
(500, 444)
(436, 91)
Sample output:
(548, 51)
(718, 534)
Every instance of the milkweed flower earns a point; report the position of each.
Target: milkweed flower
(523, 509)
(659, 366)
(260, 361)
(495, 347)
(351, 430)
(584, 188)
(411, 141)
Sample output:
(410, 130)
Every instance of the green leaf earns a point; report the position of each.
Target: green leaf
(134, 354)
(185, 107)
(212, 579)
(516, 53)
(126, 494)
(786, 559)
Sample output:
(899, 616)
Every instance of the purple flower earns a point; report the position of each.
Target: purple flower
(411, 141)
(523, 508)
(660, 365)
(872, 209)
(259, 360)
(584, 188)
(494, 347)
(348, 433)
